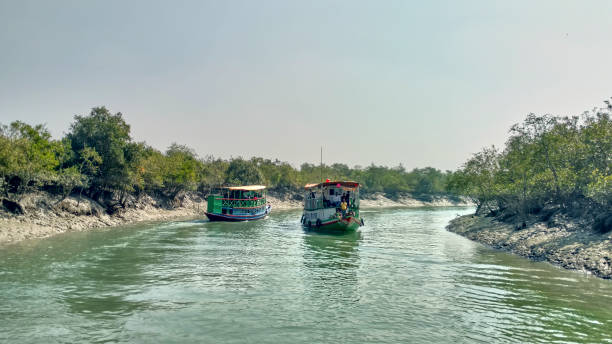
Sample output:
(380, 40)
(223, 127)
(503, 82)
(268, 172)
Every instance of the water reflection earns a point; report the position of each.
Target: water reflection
(332, 251)
(247, 230)
(400, 279)
(331, 263)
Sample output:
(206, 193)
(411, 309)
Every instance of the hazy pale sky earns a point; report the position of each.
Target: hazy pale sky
(422, 83)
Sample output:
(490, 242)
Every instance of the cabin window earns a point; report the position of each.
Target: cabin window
(331, 192)
(231, 211)
(224, 211)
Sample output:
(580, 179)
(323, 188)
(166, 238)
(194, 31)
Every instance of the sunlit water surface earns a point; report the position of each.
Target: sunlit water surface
(400, 279)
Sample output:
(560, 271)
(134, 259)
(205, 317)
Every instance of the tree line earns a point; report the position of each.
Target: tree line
(547, 162)
(99, 158)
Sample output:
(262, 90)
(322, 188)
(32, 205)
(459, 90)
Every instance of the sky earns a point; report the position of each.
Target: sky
(417, 83)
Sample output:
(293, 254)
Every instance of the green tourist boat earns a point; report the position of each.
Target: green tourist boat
(238, 203)
(332, 206)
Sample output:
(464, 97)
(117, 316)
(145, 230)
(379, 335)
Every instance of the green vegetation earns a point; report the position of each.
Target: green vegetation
(98, 158)
(549, 163)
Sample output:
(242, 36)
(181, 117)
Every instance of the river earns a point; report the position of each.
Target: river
(400, 279)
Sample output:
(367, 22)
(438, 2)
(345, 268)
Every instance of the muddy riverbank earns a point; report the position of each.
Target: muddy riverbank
(42, 214)
(565, 242)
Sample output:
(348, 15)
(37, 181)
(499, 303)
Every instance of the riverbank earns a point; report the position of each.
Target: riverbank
(379, 200)
(41, 214)
(376, 200)
(565, 242)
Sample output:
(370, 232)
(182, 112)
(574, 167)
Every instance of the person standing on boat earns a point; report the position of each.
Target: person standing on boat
(334, 196)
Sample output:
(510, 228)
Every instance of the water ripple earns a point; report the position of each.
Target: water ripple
(401, 278)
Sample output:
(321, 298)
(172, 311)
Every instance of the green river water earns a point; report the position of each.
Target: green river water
(400, 279)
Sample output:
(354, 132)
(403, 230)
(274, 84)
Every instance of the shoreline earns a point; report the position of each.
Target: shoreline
(569, 244)
(45, 215)
(378, 200)
(70, 215)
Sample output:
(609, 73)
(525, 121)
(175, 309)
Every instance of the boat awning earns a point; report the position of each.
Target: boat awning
(334, 183)
(246, 187)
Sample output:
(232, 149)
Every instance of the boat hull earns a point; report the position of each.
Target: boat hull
(234, 218)
(346, 224)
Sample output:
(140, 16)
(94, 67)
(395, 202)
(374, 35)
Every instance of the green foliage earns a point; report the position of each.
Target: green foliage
(70, 178)
(29, 158)
(213, 173)
(98, 156)
(109, 136)
(547, 160)
(390, 180)
(152, 170)
(242, 172)
(183, 169)
(477, 178)
(90, 161)
(600, 188)
(276, 174)
(429, 181)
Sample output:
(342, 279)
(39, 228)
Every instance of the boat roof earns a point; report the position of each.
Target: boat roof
(333, 183)
(245, 187)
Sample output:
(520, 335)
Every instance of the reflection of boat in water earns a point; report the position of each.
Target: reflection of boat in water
(329, 250)
(332, 206)
(331, 263)
(238, 203)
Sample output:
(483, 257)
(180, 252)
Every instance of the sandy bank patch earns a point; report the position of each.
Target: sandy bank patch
(380, 201)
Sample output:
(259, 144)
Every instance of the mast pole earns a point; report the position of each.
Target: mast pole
(321, 165)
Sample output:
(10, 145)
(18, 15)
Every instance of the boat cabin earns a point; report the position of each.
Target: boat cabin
(331, 194)
(332, 205)
(240, 202)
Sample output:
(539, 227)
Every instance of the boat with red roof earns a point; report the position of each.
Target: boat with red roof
(332, 206)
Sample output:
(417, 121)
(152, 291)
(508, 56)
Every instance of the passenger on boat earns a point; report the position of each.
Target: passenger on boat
(345, 199)
(334, 196)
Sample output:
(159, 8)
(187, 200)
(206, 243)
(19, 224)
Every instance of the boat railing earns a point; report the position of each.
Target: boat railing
(313, 204)
(242, 202)
(317, 203)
